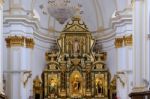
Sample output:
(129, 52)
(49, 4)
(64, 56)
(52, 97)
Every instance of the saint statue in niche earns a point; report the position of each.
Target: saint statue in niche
(76, 46)
(76, 84)
(52, 86)
(99, 86)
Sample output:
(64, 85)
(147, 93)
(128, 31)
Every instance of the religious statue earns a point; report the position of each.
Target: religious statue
(70, 47)
(76, 84)
(37, 87)
(37, 82)
(76, 46)
(52, 86)
(99, 86)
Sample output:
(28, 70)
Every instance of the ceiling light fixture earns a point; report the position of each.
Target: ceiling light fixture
(61, 10)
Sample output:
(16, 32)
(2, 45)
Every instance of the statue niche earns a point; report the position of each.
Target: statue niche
(75, 71)
(52, 83)
(76, 46)
(76, 84)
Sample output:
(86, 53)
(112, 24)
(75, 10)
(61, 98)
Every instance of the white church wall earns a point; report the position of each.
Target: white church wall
(106, 12)
(108, 46)
(124, 64)
(39, 61)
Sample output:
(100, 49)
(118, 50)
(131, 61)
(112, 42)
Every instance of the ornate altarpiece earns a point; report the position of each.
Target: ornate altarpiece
(75, 71)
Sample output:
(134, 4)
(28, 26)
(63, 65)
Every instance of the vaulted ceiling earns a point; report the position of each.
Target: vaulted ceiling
(96, 13)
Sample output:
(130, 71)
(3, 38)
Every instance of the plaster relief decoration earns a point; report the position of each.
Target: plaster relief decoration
(22, 41)
(118, 42)
(75, 71)
(26, 76)
(126, 40)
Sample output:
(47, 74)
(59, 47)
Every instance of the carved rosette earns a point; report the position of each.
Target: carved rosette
(13, 41)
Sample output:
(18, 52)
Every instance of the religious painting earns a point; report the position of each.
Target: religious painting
(101, 84)
(76, 83)
(52, 84)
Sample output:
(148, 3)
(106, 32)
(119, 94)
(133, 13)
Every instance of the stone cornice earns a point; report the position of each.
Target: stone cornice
(124, 16)
(29, 21)
(105, 35)
(120, 20)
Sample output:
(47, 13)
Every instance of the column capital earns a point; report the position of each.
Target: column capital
(21, 41)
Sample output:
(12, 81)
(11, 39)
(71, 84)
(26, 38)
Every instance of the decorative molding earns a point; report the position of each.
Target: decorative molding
(15, 41)
(119, 42)
(104, 35)
(29, 43)
(122, 17)
(128, 40)
(22, 41)
(30, 22)
(123, 41)
(26, 76)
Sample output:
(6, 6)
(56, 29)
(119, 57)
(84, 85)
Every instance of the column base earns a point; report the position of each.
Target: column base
(140, 89)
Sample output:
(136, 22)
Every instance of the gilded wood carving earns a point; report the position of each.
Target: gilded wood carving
(75, 71)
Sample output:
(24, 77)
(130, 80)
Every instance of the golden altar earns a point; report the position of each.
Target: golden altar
(74, 71)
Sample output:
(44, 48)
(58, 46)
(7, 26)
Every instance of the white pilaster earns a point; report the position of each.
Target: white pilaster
(13, 72)
(122, 24)
(148, 40)
(1, 44)
(139, 45)
(20, 61)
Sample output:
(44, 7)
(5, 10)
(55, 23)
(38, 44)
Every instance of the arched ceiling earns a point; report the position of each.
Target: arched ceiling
(96, 13)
